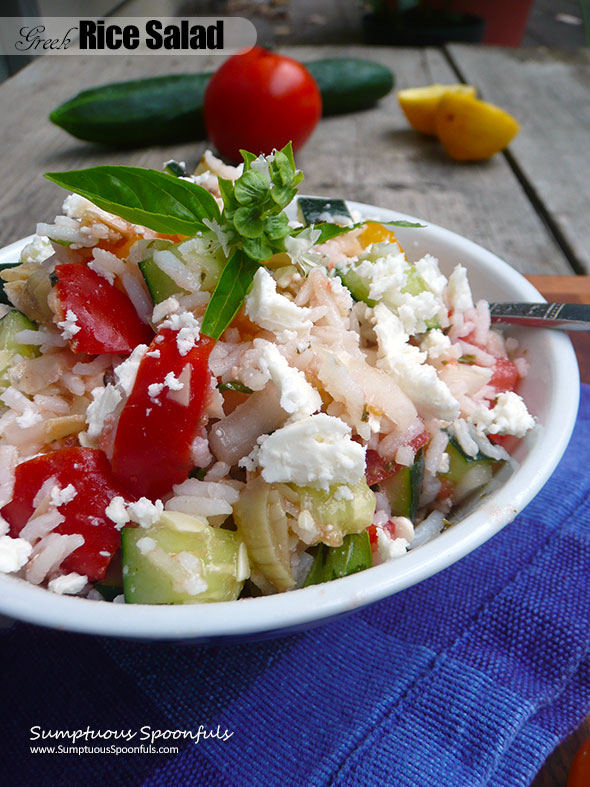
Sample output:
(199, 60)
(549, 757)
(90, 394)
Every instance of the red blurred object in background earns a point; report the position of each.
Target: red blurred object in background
(258, 101)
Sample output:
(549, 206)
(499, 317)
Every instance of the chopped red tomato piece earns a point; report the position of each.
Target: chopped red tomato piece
(152, 449)
(505, 375)
(103, 318)
(377, 468)
(88, 470)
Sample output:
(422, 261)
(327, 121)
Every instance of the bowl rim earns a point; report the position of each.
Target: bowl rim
(301, 608)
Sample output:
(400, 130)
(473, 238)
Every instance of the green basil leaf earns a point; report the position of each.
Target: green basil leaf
(283, 195)
(234, 385)
(257, 248)
(335, 562)
(251, 188)
(229, 294)
(248, 222)
(281, 171)
(248, 159)
(403, 224)
(153, 199)
(288, 151)
(226, 189)
(277, 227)
(328, 230)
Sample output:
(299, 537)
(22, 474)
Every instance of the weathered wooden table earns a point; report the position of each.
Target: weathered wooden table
(530, 206)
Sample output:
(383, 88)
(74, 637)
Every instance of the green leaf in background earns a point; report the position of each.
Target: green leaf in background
(334, 562)
(157, 200)
(229, 294)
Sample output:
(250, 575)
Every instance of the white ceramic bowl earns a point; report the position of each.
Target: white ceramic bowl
(551, 391)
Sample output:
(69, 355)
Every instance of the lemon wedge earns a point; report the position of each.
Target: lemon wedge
(473, 130)
(420, 103)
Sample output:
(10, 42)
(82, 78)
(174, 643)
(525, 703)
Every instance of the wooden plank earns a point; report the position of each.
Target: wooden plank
(375, 157)
(549, 93)
(370, 156)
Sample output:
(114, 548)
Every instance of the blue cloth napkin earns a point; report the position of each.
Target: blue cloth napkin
(470, 678)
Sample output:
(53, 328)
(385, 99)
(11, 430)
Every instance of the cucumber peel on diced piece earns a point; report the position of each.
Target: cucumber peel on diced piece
(206, 266)
(403, 489)
(160, 285)
(182, 560)
(466, 473)
(312, 210)
(10, 325)
(334, 562)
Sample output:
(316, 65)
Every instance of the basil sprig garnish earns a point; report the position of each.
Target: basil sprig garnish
(252, 227)
(255, 224)
(157, 200)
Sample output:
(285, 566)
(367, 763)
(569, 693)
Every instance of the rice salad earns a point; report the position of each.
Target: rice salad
(202, 400)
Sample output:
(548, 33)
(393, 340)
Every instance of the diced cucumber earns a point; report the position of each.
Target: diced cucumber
(201, 255)
(403, 489)
(312, 210)
(334, 562)
(10, 325)
(360, 288)
(357, 286)
(160, 285)
(176, 565)
(343, 515)
(466, 473)
(112, 583)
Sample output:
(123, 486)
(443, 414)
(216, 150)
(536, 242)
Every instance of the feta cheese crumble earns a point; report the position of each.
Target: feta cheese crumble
(144, 512)
(69, 326)
(459, 291)
(60, 497)
(188, 328)
(116, 511)
(271, 310)
(509, 416)
(146, 544)
(126, 372)
(104, 402)
(297, 396)
(406, 364)
(69, 584)
(389, 547)
(316, 451)
(14, 554)
(37, 250)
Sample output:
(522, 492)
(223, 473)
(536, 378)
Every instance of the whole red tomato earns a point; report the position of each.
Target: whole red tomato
(258, 101)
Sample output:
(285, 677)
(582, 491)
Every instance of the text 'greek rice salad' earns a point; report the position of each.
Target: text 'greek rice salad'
(202, 400)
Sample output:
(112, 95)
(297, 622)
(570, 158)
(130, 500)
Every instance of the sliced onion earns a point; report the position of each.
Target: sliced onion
(235, 436)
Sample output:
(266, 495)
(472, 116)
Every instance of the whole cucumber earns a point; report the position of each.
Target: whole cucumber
(350, 84)
(140, 112)
(168, 109)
